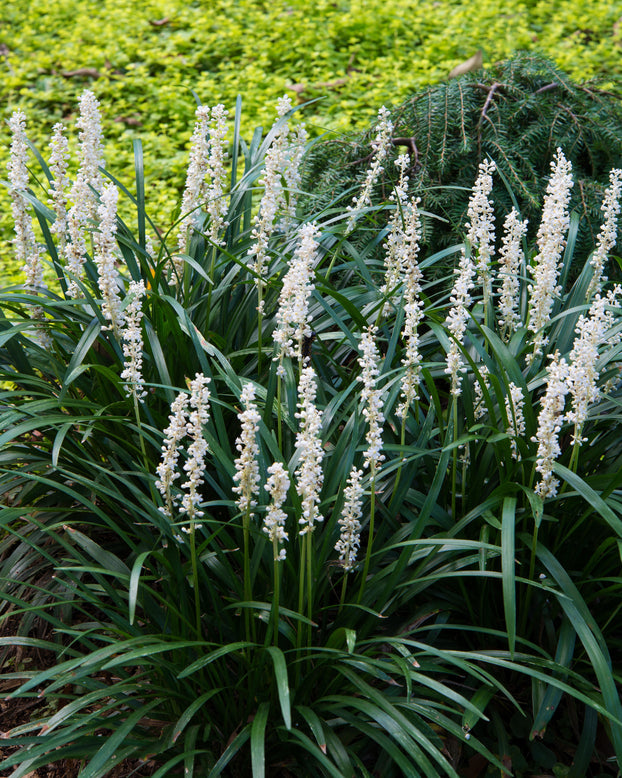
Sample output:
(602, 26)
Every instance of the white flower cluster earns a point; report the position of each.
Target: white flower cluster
(197, 450)
(578, 377)
(216, 202)
(196, 186)
(292, 316)
(413, 306)
(274, 522)
(380, 145)
(350, 538)
(371, 396)
(309, 451)
(132, 336)
(583, 375)
(77, 222)
(185, 422)
(205, 178)
(396, 244)
(27, 250)
(514, 404)
(607, 235)
(246, 465)
(281, 164)
(167, 469)
(292, 176)
(105, 259)
(413, 312)
(480, 237)
(90, 152)
(479, 406)
(59, 185)
(481, 227)
(83, 195)
(551, 241)
(550, 421)
(456, 320)
(511, 257)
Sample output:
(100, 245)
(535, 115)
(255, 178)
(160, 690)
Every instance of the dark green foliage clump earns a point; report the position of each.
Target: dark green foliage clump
(517, 113)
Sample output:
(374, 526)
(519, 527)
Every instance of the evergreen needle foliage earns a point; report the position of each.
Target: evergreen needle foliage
(517, 112)
(240, 555)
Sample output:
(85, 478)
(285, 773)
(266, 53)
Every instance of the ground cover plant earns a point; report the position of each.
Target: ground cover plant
(274, 505)
(143, 61)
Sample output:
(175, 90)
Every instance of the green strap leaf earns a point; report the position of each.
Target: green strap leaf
(134, 581)
(282, 684)
(591, 497)
(508, 523)
(258, 741)
(232, 749)
(213, 656)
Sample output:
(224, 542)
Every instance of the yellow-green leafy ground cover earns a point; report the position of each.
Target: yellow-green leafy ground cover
(144, 60)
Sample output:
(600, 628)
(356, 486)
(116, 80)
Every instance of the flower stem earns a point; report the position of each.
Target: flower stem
(532, 567)
(279, 414)
(344, 586)
(301, 589)
(399, 469)
(247, 576)
(259, 324)
(370, 536)
(276, 595)
(454, 473)
(195, 577)
(309, 587)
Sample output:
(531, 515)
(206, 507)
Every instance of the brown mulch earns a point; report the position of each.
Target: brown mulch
(15, 712)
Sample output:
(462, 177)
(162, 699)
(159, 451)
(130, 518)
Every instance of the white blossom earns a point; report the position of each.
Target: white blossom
(292, 316)
(457, 318)
(371, 397)
(409, 383)
(479, 406)
(349, 541)
(105, 258)
(90, 151)
(174, 434)
(77, 222)
(309, 450)
(246, 465)
(274, 522)
(514, 404)
(583, 375)
(195, 188)
(278, 166)
(608, 231)
(83, 195)
(511, 256)
(59, 185)
(197, 450)
(551, 241)
(217, 206)
(550, 421)
(132, 336)
(205, 178)
(380, 145)
(480, 227)
(293, 176)
(27, 250)
(396, 243)
(411, 276)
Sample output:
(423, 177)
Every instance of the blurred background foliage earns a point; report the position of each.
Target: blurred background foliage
(145, 60)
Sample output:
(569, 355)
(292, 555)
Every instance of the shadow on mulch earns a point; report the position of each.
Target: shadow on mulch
(16, 712)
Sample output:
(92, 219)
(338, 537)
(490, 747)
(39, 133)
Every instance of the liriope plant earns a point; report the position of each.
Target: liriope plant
(273, 506)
